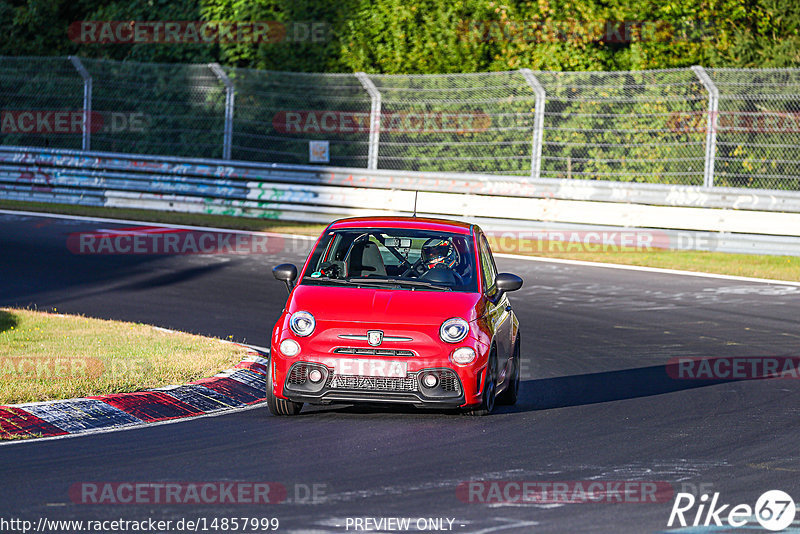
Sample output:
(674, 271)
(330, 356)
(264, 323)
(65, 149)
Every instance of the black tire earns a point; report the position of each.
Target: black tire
(488, 399)
(278, 406)
(510, 395)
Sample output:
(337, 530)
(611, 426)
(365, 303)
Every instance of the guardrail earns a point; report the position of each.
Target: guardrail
(738, 220)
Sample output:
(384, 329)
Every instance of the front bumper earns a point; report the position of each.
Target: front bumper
(298, 386)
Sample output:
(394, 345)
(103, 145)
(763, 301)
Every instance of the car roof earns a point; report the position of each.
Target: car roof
(412, 223)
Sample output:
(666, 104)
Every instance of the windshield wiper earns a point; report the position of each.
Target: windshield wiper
(342, 281)
(379, 281)
(400, 282)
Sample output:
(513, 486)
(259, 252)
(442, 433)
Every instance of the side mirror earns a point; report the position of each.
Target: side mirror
(286, 273)
(506, 282)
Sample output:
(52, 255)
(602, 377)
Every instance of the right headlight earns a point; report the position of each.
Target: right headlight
(454, 330)
(302, 323)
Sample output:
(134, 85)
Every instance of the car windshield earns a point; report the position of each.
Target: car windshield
(394, 258)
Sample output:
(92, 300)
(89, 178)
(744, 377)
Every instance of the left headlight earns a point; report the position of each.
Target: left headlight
(302, 323)
(454, 330)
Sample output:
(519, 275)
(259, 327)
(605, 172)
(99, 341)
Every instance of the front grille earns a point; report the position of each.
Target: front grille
(374, 383)
(449, 381)
(374, 352)
(298, 375)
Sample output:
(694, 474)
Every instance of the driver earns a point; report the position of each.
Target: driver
(438, 253)
(439, 256)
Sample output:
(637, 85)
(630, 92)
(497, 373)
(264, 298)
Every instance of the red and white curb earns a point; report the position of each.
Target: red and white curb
(242, 385)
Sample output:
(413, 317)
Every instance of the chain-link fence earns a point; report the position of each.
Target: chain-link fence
(32, 91)
(758, 128)
(478, 123)
(621, 126)
(276, 114)
(156, 108)
(715, 127)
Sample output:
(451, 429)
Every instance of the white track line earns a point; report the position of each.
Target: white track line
(500, 255)
(166, 225)
(649, 269)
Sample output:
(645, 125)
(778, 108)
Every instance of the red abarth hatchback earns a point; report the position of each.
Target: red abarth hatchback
(398, 310)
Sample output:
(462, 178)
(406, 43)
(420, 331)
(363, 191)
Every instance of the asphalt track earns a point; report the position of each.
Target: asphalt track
(596, 401)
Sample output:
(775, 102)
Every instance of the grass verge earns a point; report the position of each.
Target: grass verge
(751, 265)
(47, 356)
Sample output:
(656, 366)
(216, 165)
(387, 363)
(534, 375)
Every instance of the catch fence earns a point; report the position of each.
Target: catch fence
(692, 127)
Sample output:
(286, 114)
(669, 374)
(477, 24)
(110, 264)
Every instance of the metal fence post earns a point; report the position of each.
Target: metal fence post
(227, 136)
(711, 123)
(374, 119)
(87, 102)
(538, 122)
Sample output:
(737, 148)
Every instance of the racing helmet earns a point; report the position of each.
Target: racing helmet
(438, 252)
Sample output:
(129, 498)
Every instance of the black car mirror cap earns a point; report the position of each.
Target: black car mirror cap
(506, 282)
(286, 273)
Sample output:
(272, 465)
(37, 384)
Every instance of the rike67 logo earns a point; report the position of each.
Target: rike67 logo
(774, 510)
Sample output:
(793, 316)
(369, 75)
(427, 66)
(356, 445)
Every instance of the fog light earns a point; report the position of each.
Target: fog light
(429, 380)
(289, 347)
(315, 375)
(463, 356)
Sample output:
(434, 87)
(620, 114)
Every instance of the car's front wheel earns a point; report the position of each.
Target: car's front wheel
(276, 405)
(509, 395)
(489, 388)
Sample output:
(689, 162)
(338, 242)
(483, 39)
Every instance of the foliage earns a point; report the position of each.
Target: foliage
(633, 126)
(431, 36)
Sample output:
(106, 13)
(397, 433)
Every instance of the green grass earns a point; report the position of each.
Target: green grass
(47, 356)
(751, 265)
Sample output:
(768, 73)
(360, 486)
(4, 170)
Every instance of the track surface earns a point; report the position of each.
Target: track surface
(596, 403)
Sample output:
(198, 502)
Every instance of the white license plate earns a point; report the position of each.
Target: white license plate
(384, 368)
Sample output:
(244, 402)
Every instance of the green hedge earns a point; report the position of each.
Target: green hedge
(432, 36)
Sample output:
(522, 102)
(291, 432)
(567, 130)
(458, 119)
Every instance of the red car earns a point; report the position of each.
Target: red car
(396, 310)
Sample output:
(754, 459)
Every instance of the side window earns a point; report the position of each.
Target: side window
(488, 269)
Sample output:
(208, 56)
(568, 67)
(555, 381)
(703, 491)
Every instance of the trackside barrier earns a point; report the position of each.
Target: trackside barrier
(740, 220)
